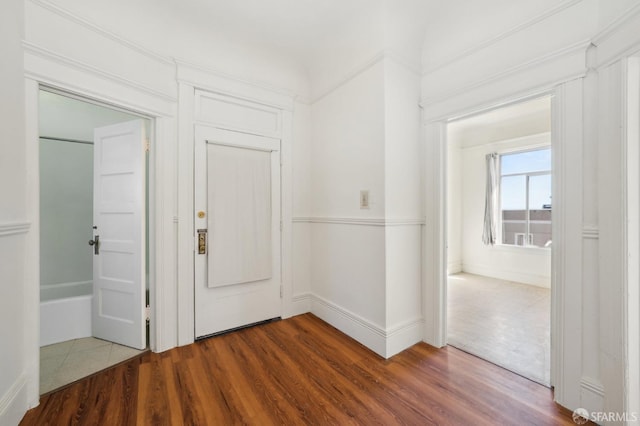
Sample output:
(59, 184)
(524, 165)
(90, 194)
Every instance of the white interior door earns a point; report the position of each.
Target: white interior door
(119, 234)
(237, 218)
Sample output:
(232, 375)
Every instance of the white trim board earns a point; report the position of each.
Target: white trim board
(217, 82)
(300, 304)
(13, 401)
(360, 221)
(508, 275)
(14, 228)
(503, 35)
(619, 39)
(384, 342)
(552, 68)
(65, 73)
(64, 13)
(591, 395)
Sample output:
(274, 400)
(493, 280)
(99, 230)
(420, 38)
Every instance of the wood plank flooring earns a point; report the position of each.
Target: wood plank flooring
(300, 371)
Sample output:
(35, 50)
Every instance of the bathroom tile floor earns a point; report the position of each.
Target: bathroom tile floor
(65, 362)
(503, 322)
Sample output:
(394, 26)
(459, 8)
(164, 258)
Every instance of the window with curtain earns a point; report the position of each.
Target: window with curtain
(525, 198)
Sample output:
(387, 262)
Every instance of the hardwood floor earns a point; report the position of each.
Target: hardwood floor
(300, 371)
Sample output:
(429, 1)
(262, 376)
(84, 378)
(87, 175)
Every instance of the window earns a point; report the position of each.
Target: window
(525, 198)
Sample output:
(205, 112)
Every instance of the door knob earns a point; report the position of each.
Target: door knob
(96, 244)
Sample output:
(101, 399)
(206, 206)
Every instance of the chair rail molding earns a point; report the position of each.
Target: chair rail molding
(360, 221)
(14, 228)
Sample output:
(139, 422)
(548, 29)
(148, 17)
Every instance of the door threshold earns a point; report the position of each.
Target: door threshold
(231, 330)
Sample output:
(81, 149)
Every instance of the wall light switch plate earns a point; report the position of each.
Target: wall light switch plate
(364, 199)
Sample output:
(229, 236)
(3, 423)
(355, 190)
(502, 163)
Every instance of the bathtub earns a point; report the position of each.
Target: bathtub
(65, 319)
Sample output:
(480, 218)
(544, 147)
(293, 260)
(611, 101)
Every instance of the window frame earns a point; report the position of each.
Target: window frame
(527, 175)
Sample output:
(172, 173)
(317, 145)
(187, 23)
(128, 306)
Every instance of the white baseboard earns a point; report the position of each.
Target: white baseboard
(507, 275)
(370, 335)
(454, 267)
(385, 343)
(300, 304)
(65, 319)
(14, 403)
(404, 336)
(591, 395)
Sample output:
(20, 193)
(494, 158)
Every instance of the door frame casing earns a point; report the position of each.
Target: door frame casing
(160, 195)
(193, 80)
(566, 272)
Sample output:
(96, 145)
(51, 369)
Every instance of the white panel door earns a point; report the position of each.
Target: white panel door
(237, 222)
(119, 234)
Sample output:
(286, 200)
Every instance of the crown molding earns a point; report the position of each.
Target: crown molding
(505, 34)
(206, 78)
(618, 39)
(541, 60)
(64, 13)
(612, 28)
(33, 49)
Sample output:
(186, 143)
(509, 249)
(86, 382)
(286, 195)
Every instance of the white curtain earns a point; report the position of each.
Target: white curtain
(239, 191)
(489, 233)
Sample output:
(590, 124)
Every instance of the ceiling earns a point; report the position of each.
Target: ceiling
(293, 25)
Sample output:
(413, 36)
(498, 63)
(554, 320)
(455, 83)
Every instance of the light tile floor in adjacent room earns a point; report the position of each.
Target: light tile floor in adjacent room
(65, 362)
(504, 322)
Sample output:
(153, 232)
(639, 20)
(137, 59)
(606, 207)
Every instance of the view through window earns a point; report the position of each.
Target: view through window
(525, 198)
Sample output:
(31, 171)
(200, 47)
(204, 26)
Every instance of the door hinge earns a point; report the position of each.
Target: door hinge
(281, 226)
(147, 313)
(280, 291)
(147, 145)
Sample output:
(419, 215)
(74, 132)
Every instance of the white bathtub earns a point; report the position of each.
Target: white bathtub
(65, 319)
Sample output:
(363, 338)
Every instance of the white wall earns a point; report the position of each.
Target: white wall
(348, 148)
(365, 270)
(347, 266)
(14, 373)
(403, 201)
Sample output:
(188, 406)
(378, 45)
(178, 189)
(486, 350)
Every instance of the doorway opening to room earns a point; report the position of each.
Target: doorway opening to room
(499, 242)
(94, 228)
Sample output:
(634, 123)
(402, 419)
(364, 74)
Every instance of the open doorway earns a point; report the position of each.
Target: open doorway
(499, 236)
(75, 300)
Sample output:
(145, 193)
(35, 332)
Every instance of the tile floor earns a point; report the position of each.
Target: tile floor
(66, 362)
(503, 322)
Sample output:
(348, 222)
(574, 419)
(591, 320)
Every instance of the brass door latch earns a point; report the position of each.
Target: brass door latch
(202, 241)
